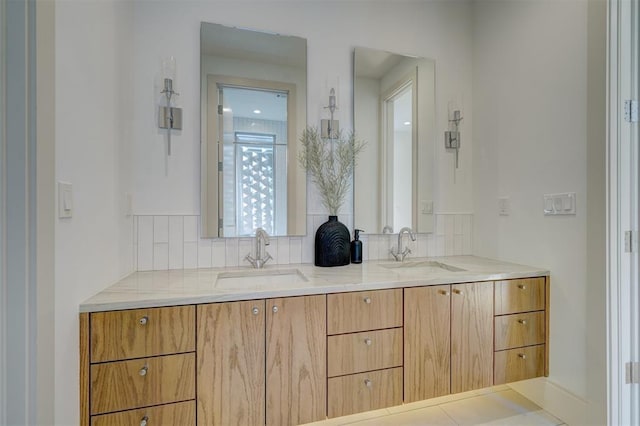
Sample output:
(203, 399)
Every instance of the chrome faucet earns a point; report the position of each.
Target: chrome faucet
(387, 230)
(401, 254)
(262, 256)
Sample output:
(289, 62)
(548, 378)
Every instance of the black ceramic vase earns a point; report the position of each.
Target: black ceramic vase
(332, 243)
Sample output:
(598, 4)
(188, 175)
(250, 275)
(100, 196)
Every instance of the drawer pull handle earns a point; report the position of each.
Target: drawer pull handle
(275, 309)
(522, 356)
(144, 421)
(143, 320)
(456, 291)
(523, 322)
(143, 371)
(367, 342)
(522, 286)
(367, 300)
(368, 383)
(444, 292)
(255, 310)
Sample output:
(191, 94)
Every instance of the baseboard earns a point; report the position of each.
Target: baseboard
(554, 399)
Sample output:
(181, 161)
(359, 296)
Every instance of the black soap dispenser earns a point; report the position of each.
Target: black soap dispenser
(356, 247)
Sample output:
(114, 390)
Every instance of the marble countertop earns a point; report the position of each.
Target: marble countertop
(194, 286)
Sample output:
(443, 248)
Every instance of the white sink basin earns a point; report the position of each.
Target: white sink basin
(256, 278)
(419, 264)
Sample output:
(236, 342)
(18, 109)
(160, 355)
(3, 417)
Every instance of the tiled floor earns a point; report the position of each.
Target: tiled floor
(494, 406)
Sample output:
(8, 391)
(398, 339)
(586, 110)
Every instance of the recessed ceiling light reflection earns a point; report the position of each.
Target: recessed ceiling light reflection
(257, 111)
(407, 123)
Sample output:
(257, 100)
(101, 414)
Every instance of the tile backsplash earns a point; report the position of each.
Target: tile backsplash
(173, 242)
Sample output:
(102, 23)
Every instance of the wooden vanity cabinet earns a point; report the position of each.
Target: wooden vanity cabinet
(137, 364)
(262, 362)
(448, 339)
(364, 339)
(521, 329)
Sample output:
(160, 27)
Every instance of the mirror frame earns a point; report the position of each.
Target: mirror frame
(210, 183)
(424, 141)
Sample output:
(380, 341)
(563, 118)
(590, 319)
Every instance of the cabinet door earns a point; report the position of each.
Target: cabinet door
(427, 312)
(296, 360)
(471, 336)
(230, 363)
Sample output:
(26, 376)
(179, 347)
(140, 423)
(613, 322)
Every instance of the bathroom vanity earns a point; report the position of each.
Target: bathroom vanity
(292, 344)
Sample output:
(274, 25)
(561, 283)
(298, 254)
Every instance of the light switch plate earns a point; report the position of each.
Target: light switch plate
(560, 204)
(65, 200)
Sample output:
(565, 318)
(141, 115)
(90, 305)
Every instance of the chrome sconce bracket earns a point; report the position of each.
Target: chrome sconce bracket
(452, 137)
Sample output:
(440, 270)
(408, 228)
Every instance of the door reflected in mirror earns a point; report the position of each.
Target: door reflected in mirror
(253, 109)
(394, 111)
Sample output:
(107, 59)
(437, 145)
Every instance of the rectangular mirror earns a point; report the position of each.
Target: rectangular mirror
(394, 112)
(253, 101)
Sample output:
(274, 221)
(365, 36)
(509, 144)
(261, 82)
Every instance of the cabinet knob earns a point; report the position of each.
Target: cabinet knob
(143, 320)
(255, 310)
(522, 286)
(143, 371)
(522, 356)
(444, 292)
(144, 421)
(523, 322)
(367, 341)
(456, 291)
(368, 383)
(275, 309)
(367, 300)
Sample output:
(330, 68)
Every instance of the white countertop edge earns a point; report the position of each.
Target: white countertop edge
(123, 299)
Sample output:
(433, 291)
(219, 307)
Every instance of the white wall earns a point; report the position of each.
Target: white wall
(530, 134)
(332, 30)
(93, 249)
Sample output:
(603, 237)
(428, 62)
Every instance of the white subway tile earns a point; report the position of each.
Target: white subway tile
(422, 245)
(135, 257)
(440, 245)
(365, 247)
(282, 251)
(449, 225)
(218, 253)
(135, 230)
(440, 224)
(204, 253)
(231, 252)
(431, 245)
(190, 255)
(295, 250)
(458, 245)
(247, 246)
(448, 245)
(145, 243)
(176, 242)
(160, 256)
(190, 229)
(308, 247)
(458, 224)
(467, 243)
(161, 229)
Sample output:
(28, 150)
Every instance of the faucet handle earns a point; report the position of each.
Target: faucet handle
(250, 259)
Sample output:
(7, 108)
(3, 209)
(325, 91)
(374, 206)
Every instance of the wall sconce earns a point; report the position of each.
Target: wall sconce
(329, 128)
(452, 136)
(169, 116)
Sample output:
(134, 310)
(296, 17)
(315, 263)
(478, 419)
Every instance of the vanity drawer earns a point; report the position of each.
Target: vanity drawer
(364, 310)
(124, 385)
(181, 413)
(138, 333)
(369, 350)
(363, 392)
(518, 364)
(513, 331)
(523, 295)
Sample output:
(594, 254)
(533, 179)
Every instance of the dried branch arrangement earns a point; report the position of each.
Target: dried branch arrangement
(330, 162)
